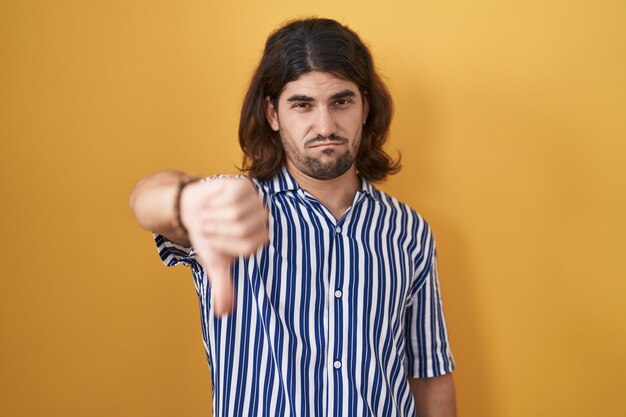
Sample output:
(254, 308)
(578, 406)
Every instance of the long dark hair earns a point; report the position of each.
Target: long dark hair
(297, 48)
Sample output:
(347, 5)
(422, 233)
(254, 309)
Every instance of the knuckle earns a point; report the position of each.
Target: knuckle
(239, 230)
(233, 214)
(210, 228)
(249, 246)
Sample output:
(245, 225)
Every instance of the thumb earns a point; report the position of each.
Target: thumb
(217, 266)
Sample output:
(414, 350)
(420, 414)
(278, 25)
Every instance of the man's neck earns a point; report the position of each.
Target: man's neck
(336, 194)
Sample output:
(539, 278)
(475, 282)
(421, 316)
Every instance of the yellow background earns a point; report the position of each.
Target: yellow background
(511, 119)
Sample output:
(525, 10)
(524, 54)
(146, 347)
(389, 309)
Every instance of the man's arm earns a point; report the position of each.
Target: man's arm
(224, 218)
(153, 203)
(434, 397)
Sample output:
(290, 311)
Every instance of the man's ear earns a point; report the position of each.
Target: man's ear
(271, 114)
(366, 106)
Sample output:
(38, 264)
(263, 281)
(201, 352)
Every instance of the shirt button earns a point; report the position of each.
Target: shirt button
(338, 294)
(338, 229)
(337, 364)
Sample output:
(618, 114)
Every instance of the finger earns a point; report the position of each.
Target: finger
(247, 226)
(232, 211)
(242, 246)
(232, 191)
(239, 238)
(217, 266)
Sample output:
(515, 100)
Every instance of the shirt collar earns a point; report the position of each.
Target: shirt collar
(283, 182)
(368, 189)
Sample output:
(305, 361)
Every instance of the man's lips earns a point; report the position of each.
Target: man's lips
(327, 143)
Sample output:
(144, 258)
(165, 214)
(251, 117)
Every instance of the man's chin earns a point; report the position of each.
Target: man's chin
(318, 170)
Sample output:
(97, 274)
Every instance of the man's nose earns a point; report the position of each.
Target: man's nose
(325, 123)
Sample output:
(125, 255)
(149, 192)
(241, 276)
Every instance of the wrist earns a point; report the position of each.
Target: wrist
(177, 220)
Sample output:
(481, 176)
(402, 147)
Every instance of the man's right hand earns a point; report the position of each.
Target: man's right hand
(225, 218)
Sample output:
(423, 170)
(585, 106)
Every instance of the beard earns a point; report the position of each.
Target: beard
(331, 166)
(315, 168)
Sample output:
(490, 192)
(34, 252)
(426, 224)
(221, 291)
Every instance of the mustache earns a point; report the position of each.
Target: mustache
(320, 138)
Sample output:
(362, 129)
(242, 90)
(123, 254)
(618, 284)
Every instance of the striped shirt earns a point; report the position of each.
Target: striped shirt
(332, 316)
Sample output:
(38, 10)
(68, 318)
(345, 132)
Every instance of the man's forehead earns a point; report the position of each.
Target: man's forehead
(319, 85)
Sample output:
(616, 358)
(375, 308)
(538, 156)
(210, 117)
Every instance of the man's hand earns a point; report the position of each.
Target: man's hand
(225, 218)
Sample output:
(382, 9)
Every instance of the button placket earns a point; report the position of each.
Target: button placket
(337, 296)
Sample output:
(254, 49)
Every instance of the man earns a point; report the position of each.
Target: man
(335, 309)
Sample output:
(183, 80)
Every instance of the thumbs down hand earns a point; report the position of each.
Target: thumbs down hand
(225, 219)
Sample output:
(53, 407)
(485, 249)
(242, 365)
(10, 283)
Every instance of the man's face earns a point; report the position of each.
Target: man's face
(320, 120)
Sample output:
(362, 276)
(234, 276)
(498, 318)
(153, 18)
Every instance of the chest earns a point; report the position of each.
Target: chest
(364, 260)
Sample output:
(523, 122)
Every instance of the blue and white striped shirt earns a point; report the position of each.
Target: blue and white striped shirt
(332, 316)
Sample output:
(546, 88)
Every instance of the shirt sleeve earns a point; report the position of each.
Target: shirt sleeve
(427, 347)
(174, 254)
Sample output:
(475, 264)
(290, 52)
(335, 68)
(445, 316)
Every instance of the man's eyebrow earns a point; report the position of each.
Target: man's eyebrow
(343, 94)
(300, 97)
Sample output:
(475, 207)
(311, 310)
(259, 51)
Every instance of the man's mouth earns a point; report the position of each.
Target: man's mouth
(327, 143)
(321, 141)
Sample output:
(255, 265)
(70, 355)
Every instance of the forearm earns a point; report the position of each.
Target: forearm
(434, 397)
(152, 202)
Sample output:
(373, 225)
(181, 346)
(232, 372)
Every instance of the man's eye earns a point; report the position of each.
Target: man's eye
(300, 105)
(342, 102)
